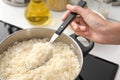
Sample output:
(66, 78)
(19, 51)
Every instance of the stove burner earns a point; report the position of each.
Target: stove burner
(7, 29)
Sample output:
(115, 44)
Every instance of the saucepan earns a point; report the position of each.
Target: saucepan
(78, 47)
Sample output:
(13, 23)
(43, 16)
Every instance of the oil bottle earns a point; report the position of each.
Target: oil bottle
(37, 13)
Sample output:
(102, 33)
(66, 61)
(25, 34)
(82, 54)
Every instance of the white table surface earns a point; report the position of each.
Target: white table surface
(15, 16)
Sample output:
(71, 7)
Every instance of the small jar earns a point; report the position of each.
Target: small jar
(100, 6)
(57, 5)
(103, 8)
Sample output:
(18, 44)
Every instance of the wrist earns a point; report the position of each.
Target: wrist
(111, 33)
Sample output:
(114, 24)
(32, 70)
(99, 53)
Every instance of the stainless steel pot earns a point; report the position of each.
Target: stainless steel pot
(79, 49)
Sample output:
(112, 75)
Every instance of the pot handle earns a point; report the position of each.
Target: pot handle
(85, 49)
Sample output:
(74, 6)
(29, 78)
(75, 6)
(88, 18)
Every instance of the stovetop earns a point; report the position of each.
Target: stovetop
(94, 68)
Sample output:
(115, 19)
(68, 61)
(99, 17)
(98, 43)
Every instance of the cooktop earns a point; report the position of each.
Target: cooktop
(94, 68)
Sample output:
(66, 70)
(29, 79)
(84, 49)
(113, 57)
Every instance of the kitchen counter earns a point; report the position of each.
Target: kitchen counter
(15, 16)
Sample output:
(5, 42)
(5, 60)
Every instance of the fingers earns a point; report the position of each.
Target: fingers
(78, 24)
(75, 26)
(81, 30)
(78, 28)
(65, 15)
(77, 9)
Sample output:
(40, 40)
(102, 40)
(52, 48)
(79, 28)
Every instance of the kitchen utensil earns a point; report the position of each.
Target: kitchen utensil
(59, 31)
(66, 22)
(82, 4)
(26, 34)
(46, 55)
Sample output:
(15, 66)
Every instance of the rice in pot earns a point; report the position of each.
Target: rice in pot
(62, 65)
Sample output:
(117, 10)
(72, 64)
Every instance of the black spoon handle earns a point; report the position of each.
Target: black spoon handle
(70, 17)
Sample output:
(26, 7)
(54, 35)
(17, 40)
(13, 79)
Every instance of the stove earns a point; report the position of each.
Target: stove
(94, 68)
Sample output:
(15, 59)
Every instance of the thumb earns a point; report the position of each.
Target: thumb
(77, 9)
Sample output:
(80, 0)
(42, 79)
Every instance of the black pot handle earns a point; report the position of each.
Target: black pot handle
(85, 49)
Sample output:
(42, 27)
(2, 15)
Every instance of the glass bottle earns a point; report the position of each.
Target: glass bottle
(37, 12)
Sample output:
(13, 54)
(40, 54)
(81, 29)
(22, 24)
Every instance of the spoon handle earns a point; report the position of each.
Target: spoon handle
(70, 17)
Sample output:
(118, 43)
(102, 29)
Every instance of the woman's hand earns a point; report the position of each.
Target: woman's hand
(91, 25)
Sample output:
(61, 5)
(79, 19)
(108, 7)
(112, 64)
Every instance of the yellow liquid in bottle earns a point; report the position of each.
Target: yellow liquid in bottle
(37, 12)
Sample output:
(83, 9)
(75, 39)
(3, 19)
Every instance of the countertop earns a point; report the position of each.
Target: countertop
(15, 16)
